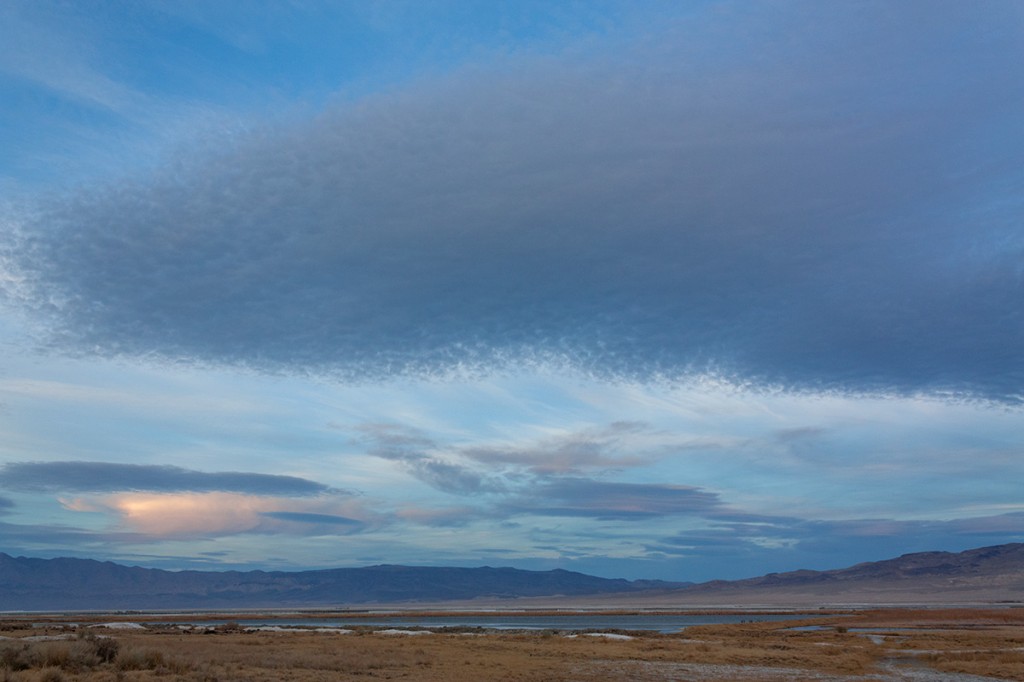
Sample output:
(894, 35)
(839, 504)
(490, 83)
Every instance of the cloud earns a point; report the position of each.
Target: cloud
(52, 55)
(314, 519)
(532, 479)
(108, 477)
(36, 536)
(853, 538)
(418, 455)
(507, 468)
(219, 514)
(603, 500)
(570, 454)
(442, 517)
(836, 212)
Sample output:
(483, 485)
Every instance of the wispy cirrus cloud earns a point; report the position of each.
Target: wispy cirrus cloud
(57, 57)
(77, 476)
(592, 449)
(533, 478)
(509, 467)
(424, 459)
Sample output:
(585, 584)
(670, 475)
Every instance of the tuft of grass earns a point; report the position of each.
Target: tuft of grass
(140, 659)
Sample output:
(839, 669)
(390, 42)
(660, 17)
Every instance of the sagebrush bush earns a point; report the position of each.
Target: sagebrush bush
(71, 656)
(106, 649)
(15, 656)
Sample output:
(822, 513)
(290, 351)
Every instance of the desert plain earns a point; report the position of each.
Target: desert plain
(868, 645)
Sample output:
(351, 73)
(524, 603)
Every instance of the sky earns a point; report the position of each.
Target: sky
(667, 290)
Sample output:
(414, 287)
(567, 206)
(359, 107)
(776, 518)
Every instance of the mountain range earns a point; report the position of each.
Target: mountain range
(83, 584)
(987, 574)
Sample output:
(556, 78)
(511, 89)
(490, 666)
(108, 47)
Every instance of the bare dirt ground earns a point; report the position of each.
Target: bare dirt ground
(950, 645)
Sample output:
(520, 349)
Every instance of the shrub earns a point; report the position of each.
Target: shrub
(15, 657)
(106, 649)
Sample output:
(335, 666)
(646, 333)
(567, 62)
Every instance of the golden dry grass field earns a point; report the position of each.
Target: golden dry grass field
(941, 645)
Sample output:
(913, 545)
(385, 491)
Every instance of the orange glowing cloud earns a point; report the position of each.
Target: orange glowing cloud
(219, 513)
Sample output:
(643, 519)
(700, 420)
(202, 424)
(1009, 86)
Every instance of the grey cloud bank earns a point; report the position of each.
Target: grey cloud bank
(780, 542)
(107, 477)
(783, 214)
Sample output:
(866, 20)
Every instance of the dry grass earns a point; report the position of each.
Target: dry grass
(976, 642)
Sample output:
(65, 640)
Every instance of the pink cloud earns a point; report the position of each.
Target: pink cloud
(179, 515)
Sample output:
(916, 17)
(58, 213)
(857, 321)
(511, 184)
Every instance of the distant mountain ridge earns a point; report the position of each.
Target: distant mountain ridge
(985, 563)
(986, 574)
(983, 575)
(80, 584)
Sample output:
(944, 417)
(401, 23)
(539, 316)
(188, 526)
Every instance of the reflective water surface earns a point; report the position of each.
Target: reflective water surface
(576, 622)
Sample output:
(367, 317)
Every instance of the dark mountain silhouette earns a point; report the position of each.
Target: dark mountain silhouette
(983, 575)
(1001, 563)
(987, 574)
(78, 584)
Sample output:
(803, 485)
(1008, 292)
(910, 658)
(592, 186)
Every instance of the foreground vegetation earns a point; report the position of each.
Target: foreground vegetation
(864, 646)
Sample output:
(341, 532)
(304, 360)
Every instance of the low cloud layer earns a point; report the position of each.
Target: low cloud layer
(606, 500)
(838, 212)
(313, 519)
(150, 517)
(107, 477)
(788, 541)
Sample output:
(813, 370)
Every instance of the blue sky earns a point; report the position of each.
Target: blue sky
(679, 290)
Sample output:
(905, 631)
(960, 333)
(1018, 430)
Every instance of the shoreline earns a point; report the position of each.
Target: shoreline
(440, 611)
(940, 645)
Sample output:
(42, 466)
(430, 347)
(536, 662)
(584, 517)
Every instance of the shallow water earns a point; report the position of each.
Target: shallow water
(568, 622)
